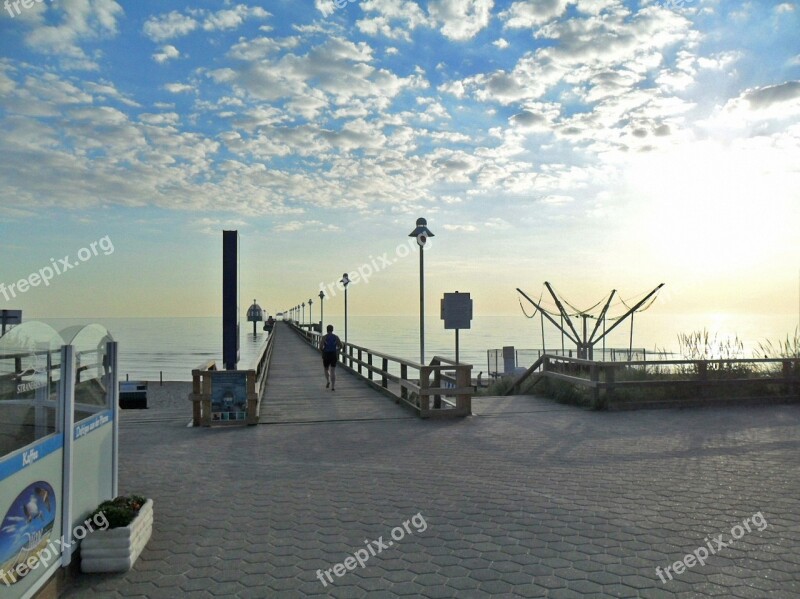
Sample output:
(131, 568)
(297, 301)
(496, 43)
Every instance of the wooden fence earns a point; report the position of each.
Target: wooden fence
(615, 384)
(440, 389)
(256, 381)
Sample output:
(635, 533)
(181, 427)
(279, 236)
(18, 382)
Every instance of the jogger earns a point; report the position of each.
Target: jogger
(330, 345)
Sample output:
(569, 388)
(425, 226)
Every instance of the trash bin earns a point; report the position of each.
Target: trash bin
(133, 395)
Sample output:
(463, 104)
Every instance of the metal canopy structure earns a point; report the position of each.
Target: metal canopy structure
(584, 341)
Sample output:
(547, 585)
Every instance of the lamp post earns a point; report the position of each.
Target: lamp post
(422, 233)
(345, 281)
(304, 314)
(321, 311)
(310, 318)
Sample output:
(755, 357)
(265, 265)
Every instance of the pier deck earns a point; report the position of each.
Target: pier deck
(296, 390)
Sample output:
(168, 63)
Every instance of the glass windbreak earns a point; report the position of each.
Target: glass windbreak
(29, 377)
(92, 368)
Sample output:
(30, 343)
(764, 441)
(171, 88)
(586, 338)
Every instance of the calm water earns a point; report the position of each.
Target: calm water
(175, 346)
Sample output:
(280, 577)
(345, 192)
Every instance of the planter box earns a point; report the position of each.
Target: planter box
(117, 549)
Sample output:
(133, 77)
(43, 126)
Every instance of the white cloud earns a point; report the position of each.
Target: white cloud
(500, 43)
(178, 88)
(530, 13)
(169, 26)
(166, 53)
(80, 20)
(461, 19)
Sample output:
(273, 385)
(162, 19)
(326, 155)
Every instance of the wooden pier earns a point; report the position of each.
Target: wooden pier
(295, 390)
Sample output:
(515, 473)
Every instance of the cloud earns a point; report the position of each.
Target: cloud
(297, 225)
(176, 24)
(178, 88)
(461, 228)
(461, 19)
(169, 26)
(530, 13)
(166, 53)
(81, 20)
(766, 97)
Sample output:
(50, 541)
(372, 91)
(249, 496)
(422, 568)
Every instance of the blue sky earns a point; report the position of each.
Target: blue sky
(597, 144)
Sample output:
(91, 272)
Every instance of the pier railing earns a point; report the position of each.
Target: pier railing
(256, 380)
(442, 388)
(613, 384)
(502, 362)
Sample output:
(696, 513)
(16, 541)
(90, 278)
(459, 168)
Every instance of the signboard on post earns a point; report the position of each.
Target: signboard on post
(457, 311)
(229, 396)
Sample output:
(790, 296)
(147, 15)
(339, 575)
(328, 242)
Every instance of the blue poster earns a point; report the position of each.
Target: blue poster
(228, 396)
(25, 532)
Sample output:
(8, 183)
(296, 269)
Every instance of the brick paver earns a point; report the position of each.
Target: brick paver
(528, 498)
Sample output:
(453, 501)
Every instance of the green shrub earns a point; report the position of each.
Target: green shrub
(120, 511)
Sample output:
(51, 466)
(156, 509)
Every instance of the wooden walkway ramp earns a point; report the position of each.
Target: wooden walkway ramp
(296, 390)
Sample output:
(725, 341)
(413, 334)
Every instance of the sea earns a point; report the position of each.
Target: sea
(169, 348)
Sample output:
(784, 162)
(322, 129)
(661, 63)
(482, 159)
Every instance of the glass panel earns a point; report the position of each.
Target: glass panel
(30, 359)
(92, 368)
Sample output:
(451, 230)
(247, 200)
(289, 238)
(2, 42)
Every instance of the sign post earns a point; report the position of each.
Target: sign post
(457, 314)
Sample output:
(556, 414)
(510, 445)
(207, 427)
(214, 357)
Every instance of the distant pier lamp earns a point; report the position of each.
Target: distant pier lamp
(310, 317)
(345, 281)
(302, 320)
(321, 310)
(422, 233)
(255, 314)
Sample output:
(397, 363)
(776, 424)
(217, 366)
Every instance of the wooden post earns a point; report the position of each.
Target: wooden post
(424, 385)
(252, 398)
(594, 376)
(403, 379)
(384, 370)
(197, 390)
(787, 374)
(464, 379)
(369, 361)
(610, 375)
(437, 382)
(359, 360)
(702, 377)
(206, 401)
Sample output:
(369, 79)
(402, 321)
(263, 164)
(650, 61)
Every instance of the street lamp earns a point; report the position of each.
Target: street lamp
(304, 314)
(321, 311)
(345, 281)
(310, 318)
(422, 233)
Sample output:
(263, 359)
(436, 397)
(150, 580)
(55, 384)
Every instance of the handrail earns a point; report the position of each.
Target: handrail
(559, 367)
(415, 394)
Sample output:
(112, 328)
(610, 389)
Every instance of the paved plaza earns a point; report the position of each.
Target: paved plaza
(527, 498)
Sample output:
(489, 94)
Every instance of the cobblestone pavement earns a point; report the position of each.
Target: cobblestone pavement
(528, 499)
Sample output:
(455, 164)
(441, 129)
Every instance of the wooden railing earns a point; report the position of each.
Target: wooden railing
(424, 394)
(256, 381)
(689, 379)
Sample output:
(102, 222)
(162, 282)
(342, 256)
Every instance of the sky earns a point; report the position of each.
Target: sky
(595, 144)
